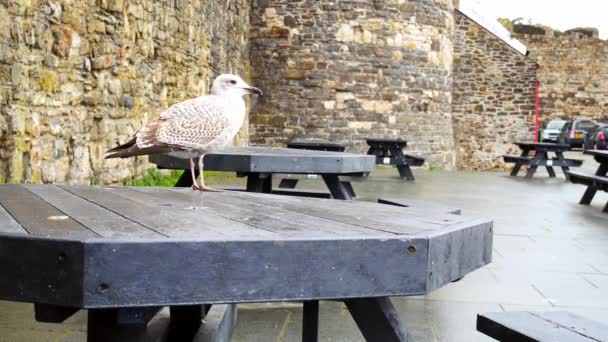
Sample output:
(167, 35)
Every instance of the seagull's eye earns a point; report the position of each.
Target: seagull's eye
(232, 82)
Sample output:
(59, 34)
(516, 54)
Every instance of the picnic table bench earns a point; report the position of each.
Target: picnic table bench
(291, 181)
(259, 164)
(554, 326)
(595, 182)
(541, 158)
(123, 253)
(390, 152)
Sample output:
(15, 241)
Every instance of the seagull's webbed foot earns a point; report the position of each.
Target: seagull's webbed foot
(195, 187)
(206, 188)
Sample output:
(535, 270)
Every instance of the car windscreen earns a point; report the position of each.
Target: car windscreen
(585, 125)
(556, 124)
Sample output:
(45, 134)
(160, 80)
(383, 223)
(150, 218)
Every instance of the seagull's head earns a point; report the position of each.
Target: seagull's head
(228, 84)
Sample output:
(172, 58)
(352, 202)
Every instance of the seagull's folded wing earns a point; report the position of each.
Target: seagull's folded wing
(193, 124)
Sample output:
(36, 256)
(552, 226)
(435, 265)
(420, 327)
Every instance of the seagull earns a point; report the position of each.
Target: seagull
(194, 127)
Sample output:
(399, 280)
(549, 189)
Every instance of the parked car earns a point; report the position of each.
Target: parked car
(598, 139)
(574, 132)
(551, 132)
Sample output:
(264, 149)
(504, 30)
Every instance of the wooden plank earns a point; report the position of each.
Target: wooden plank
(166, 217)
(268, 218)
(368, 215)
(41, 270)
(145, 273)
(420, 205)
(219, 324)
(276, 160)
(526, 326)
(8, 223)
(98, 219)
(457, 251)
(39, 217)
(378, 320)
(592, 329)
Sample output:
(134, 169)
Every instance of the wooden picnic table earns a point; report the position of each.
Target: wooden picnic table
(291, 181)
(594, 182)
(122, 253)
(259, 164)
(553, 326)
(390, 152)
(541, 158)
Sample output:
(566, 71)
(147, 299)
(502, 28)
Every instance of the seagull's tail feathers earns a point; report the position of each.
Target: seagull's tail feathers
(130, 149)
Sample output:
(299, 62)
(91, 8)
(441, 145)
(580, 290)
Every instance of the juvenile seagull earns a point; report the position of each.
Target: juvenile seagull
(194, 127)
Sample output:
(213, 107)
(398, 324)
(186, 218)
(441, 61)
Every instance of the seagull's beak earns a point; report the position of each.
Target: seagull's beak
(254, 90)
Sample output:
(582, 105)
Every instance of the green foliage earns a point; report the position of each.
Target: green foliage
(433, 167)
(153, 177)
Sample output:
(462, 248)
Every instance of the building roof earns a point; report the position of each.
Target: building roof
(473, 10)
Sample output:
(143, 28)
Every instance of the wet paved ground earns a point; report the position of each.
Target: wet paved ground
(549, 254)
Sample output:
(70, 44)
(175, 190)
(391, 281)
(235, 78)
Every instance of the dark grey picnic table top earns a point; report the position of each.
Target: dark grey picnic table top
(600, 156)
(543, 146)
(276, 160)
(101, 247)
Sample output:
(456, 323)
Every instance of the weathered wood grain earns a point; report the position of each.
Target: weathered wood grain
(8, 223)
(96, 218)
(523, 326)
(39, 217)
(259, 215)
(276, 160)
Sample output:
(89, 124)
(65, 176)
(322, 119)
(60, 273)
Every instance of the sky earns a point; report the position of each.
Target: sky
(558, 14)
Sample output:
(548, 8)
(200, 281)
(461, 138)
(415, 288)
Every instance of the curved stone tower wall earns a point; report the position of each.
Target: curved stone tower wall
(76, 77)
(347, 70)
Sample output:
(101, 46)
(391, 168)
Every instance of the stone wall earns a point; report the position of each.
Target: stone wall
(77, 77)
(347, 70)
(493, 96)
(573, 74)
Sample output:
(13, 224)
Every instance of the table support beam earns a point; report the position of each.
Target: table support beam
(310, 321)
(108, 325)
(378, 320)
(337, 189)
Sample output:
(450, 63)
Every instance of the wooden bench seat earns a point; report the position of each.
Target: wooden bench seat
(600, 182)
(418, 204)
(593, 183)
(523, 326)
(547, 162)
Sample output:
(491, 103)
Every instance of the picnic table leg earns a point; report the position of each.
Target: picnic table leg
(519, 164)
(377, 319)
(540, 156)
(563, 163)
(185, 321)
(588, 195)
(405, 172)
(591, 190)
(288, 183)
(118, 325)
(310, 321)
(185, 180)
(259, 182)
(336, 188)
(349, 187)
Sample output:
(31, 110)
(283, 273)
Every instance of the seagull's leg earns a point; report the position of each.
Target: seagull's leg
(202, 175)
(194, 184)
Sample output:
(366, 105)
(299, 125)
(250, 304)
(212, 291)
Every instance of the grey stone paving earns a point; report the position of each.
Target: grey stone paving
(549, 254)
